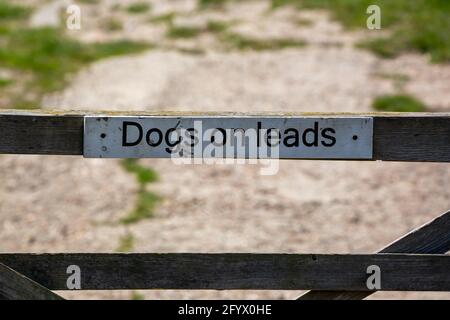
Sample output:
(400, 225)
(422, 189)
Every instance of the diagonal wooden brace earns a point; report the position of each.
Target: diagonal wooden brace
(15, 286)
(431, 238)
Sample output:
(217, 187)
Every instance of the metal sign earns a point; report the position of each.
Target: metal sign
(290, 137)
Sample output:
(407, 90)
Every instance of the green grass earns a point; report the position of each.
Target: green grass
(112, 24)
(397, 77)
(398, 103)
(22, 103)
(5, 82)
(138, 7)
(217, 26)
(103, 50)
(50, 56)
(303, 22)
(241, 42)
(166, 18)
(12, 12)
(191, 51)
(232, 40)
(144, 209)
(146, 201)
(88, 1)
(137, 296)
(126, 243)
(212, 26)
(143, 175)
(183, 32)
(419, 25)
(205, 4)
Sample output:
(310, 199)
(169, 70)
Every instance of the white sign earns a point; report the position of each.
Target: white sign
(290, 137)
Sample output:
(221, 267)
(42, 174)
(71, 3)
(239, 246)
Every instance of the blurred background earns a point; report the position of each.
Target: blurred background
(219, 55)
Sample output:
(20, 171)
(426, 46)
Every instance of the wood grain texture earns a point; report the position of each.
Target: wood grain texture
(412, 138)
(235, 271)
(41, 134)
(14, 286)
(409, 137)
(431, 238)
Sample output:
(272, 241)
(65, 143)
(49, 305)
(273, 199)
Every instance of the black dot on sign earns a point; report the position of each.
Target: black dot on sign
(103, 135)
(355, 137)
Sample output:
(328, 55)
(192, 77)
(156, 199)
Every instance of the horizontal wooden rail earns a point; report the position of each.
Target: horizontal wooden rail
(396, 137)
(235, 271)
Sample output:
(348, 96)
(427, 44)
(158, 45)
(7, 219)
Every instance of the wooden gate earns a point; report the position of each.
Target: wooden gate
(415, 262)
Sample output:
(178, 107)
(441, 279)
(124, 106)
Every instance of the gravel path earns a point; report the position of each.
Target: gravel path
(72, 204)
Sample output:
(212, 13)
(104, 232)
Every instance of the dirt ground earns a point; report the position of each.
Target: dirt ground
(70, 204)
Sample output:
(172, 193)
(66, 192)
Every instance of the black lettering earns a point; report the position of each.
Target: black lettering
(269, 137)
(153, 143)
(294, 136)
(192, 134)
(315, 132)
(329, 137)
(125, 126)
(169, 141)
(258, 134)
(224, 137)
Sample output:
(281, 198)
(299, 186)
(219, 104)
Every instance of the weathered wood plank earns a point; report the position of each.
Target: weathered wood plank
(412, 138)
(14, 286)
(41, 134)
(431, 238)
(235, 271)
(409, 137)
